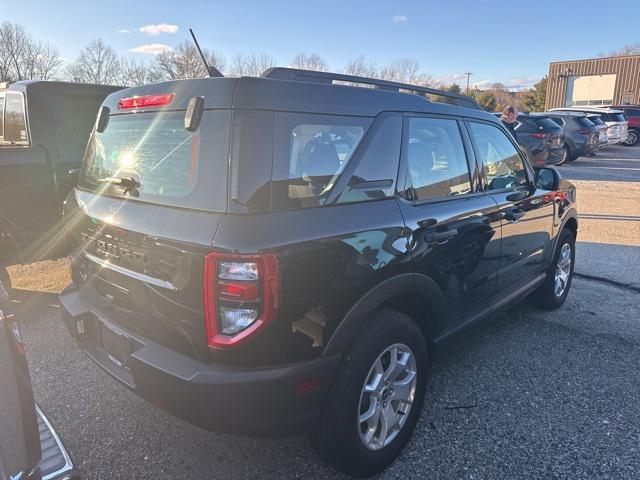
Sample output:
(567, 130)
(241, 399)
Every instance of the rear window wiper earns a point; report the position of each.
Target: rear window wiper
(130, 185)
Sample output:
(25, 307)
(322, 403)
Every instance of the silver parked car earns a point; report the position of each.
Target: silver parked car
(615, 120)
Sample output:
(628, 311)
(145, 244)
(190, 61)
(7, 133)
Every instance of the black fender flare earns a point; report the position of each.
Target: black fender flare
(572, 213)
(389, 288)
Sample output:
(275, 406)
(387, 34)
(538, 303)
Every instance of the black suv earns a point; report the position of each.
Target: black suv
(281, 254)
(44, 129)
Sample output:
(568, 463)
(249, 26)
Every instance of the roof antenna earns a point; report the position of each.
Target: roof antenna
(213, 71)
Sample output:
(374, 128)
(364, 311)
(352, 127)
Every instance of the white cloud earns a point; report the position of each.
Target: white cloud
(399, 18)
(157, 29)
(124, 30)
(152, 48)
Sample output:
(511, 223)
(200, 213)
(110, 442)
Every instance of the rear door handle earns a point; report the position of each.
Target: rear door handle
(440, 237)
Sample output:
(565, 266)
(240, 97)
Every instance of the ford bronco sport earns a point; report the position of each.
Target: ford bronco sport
(281, 254)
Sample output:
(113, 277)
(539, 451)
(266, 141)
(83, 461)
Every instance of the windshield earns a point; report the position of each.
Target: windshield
(165, 161)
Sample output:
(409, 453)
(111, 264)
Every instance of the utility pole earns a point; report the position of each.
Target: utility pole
(468, 74)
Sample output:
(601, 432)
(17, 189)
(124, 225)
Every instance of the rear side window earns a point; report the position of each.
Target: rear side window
(618, 117)
(15, 121)
(436, 159)
(311, 151)
(172, 165)
(503, 165)
(632, 112)
(596, 120)
(1, 118)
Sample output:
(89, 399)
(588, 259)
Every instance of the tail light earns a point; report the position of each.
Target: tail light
(145, 101)
(540, 135)
(241, 296)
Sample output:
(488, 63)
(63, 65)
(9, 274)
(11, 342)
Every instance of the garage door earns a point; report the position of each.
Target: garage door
(590, 90)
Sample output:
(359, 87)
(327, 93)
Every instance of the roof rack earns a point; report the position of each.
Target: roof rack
(282, 73)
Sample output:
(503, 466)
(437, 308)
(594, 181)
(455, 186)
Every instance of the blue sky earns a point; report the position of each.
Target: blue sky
(498, 40)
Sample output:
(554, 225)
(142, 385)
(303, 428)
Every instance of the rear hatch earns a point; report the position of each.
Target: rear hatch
(617, 124)
(150, 197)
(588, 129)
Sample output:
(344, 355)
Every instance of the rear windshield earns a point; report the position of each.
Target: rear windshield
(546, 123)
(584, 122)
(171, 165)
(614, 117)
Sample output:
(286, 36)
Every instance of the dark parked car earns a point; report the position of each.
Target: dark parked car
(29, 447)
(603, 137)
(632, 115)
(281, 254)
(581, 136)
(542, 139)
(44, 128)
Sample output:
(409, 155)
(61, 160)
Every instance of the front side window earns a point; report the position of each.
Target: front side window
(15, 122)
(311, 152)
(436, 160)
(501, 161)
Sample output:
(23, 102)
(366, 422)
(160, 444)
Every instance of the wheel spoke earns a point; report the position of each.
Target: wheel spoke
(403, 389)
(393, 364)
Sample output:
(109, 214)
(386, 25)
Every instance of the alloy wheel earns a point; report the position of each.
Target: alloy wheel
(387, 396)
(563, 270)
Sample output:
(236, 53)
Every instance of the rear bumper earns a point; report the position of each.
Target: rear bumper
(248, 401)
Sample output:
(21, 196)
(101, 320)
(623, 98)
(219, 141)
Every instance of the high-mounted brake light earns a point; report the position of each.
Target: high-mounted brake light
(146, 101)
(241, 296)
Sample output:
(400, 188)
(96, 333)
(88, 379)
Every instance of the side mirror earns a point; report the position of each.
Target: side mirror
(547, 178)
(103, 119)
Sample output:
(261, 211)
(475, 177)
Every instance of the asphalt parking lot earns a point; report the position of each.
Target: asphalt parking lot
(523, 395)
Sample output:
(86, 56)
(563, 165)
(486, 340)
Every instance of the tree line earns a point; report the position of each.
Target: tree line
(24, 57)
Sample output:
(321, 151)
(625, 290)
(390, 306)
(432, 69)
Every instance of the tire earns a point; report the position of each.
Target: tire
(5, 279)
(633, 139)
(339, 438)
(565, 156)
(546, 296)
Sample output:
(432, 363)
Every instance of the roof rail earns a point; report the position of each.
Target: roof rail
(283, 73)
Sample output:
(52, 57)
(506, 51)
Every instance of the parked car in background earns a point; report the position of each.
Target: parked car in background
(30, 449)
(632, 115)
(278, 255)
(542, 139)
(603, 137)
(615, 120)
(44, 128)
(580, 134)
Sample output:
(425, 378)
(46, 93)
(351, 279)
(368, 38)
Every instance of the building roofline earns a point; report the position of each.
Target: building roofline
(594, 58)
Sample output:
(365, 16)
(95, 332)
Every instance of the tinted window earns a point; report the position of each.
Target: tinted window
(584, 122)
(1, 118)
(546, 123)
(618, 117)
(375, 175)
(557, 120)
(596, 120)
(629, 112)
(436, 160)
(311, 152)
(525, 125)
(172, 165)
(502, 163)
(15, 123)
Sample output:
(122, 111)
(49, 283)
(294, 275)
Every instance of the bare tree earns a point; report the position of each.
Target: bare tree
(406, 70)
(22, 57)
(133, 72)
(251, 64)
(97, 63)
(359, 66)
(629, 49)
(311, 61)
(185, 62)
